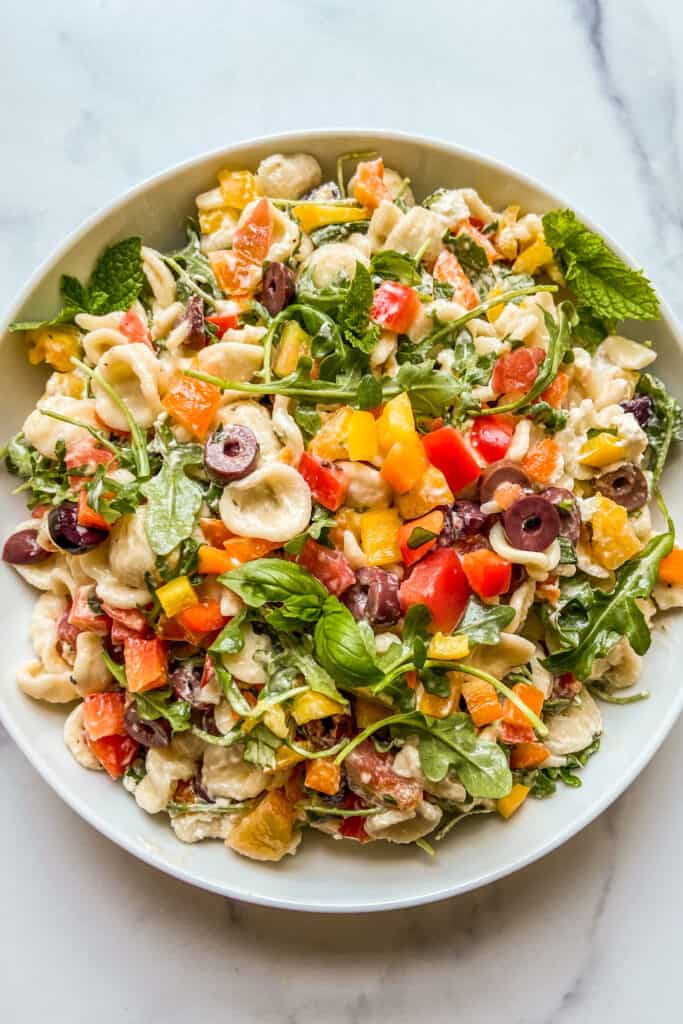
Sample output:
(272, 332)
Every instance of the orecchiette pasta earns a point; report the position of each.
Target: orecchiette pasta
(273, 502)
(43, 432)
(133, 372)
(288, 177)
(76, 740)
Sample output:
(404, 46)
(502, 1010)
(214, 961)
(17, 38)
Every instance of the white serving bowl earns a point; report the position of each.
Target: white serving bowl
(325, 875)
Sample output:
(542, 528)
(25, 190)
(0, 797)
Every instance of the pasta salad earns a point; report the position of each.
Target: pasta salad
(341, 514)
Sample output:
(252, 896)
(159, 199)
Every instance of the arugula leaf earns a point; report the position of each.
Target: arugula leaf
(552, 419)
(341, 648)
(155, 704)
(231, 691)
(471, 256)
(261, 746)
(230, 640)
(338, 232)
(664, 426)
(307, 419)
(543, 780)
(173, 500)
(273, 581)
(597, 622)
(430, 391)
(193, 269)
(482, 623)
(395, 266)
(567, 551)
(299, 656)
(46, 480)
(600, 279)
(453, 742)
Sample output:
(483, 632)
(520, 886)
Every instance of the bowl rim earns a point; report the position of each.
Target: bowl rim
(138, 848)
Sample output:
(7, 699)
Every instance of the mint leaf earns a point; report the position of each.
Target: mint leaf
(600, 279)
(118, 274)
(354, 314)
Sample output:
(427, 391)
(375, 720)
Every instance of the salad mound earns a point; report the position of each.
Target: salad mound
(342, 512)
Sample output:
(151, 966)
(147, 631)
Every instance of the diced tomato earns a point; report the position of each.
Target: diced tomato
(328, 482)
(222, 323)
(146, 663)
(205, 617)
(39, 511)
(87, 516)
(82, 615)
(327, 565)
(103, 715)
(354, 828)
(447, 268)
(510, 733)
(368, 186)
(491, 436)
(369, 772)
(134, 328)
(472, 227)
(487, 573)
(253, 237)
(432, 523)
(115, 753)
(439, 582)
(395, 306)
(448, 451)
(515, 372)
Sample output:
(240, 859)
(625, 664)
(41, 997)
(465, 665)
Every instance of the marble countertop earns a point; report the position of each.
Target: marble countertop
(583, 94)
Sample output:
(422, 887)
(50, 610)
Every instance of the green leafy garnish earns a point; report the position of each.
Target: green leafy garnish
(173, 500)
(482, 623)
(193, 270)
(156, 704)
(354, 313)
(664, 426)
(471, 256)
(395, 266)
(340, 646)
(419, 536)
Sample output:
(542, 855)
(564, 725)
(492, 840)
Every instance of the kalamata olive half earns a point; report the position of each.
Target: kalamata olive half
(464, 519)
(641, 407)
(324, 192)
(68, 534)
(22, 548)
(532, 523)
(626, 486)
(500, 473)
(194, 317)
(570, 516)
(155, 733)
(230, 453)
(278, 288)
(186, 684)
(374, 597)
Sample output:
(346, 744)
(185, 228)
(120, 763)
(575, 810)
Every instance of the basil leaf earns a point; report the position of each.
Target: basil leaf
(482, 623)
(299, 657)
(230, 640)
(173, 500)
(266, 580)
(340, 647)
(155, 704)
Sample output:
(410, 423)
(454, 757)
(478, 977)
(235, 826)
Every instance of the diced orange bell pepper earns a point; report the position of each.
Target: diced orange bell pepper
(323, 775)
(331, 441)
(441, 707)
(405, 464)
(431, 490)
(379, 536)
(432, 523)
(235, 551)
(87, 516)
(236, 275)
(362, 441)
(541, 461)
(103, 715)
(212, 561)
(396, 423)
(507, 805)
(215, 531)
(482, 701)
(146, 664)
(255, 233)
(671, 567)
(556, 392)
(368, 187)
(205, 617)
(448, 269)
(528, 755)
(193, 404)
(529, 695)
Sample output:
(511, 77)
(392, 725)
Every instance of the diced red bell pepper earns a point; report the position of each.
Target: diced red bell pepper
(491, 436)
(448, 451)
(487, 573)
(327, 482)
(329, 566)
(222, 323)
(103, 715)
(354, 828)
(515, 372)
(447, 268)
(134, 328)
(205, 617)
(87, 516)
(115, 753)
(208, 672)
(82, 616)
(472, 227)
(432, 523)
(511, 734)
(66, 632)
(146, 663)
(87, 453)
(395, 306)
(439, 582)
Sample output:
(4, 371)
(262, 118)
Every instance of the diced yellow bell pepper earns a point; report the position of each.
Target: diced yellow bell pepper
(266, 832)
(430, 491)
(507, 805)
(331, 441)
(55, 346)
(309, 706)
(405, 464)
(396, 423)
(238, 188)
(286, 758)
(379, 536)
(614, 540)
(212, 220)
(602, 450)
(294, 343)
(68, 384)
(176, 595)
(347, 519)
(276, 720)
(533, 257)
(367, 711)
(362, 442)
(494, 312)
(313, 215)
(441, 707)
(448, 648)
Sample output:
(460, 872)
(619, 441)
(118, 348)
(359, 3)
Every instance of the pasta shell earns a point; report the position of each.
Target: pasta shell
(273, 502)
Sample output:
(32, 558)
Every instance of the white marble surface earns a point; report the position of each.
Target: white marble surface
(96, 95)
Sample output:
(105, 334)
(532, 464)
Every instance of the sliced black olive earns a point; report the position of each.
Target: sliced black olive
(22, 548)
(642, 407)
(374, 597)
(626, 486)
(155, 733)
(230, 453)
(68, 534)
(278, 288)
(205, 720)
(186, 684)
(532, 523)
(194, 316)
(500, 473)
(568, 507)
